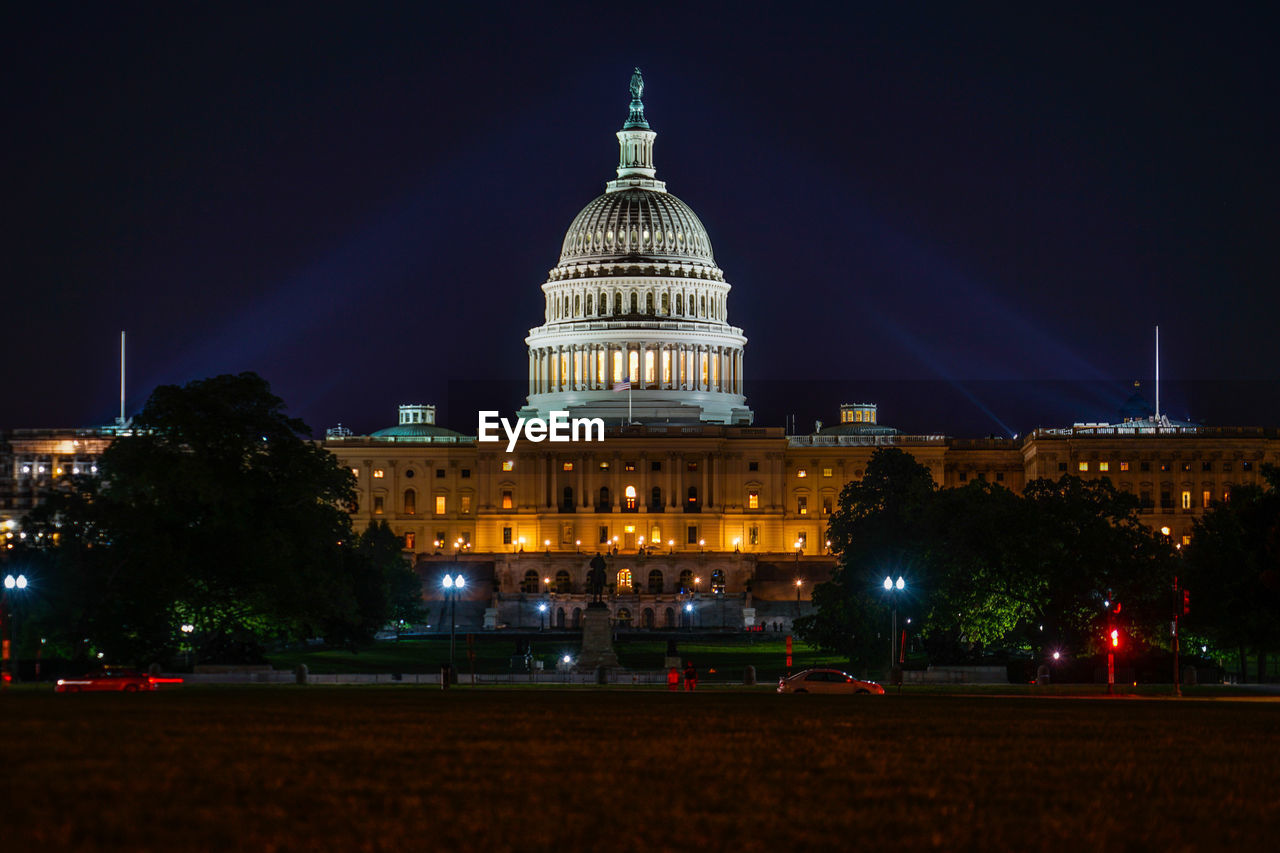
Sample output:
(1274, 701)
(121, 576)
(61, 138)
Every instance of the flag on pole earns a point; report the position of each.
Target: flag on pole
(624, 385)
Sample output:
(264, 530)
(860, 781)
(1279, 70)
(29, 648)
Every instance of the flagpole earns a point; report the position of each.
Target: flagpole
(628, 404)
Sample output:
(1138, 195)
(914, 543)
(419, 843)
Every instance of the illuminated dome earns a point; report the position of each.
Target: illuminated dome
(636, 226)
(637, 300)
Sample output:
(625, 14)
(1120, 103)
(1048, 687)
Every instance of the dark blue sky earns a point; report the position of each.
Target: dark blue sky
(973, 215)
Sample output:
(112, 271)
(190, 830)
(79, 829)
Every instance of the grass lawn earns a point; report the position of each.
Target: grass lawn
(727, 655)
(381, 768)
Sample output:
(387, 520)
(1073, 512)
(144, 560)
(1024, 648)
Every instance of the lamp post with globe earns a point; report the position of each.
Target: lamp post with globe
(894, 588)
(452, 586)
(12, 583)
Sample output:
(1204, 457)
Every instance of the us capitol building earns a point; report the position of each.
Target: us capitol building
(706, 519)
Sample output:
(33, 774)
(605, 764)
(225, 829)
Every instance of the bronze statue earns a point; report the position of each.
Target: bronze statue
(596, 578)
(637, 85)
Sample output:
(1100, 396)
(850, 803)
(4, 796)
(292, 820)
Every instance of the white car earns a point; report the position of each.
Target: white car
(826, 681)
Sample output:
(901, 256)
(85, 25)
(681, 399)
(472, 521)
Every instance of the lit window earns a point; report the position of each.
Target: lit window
(466, 504)
(1186, 500)
(506, 536)
(568, 466)
(802, 506)
(826, 472)
(1186, 539)
(1104, 466)
(826, 506)
(439, 504)
(1124, 466)
(377, 504)
(1084, 466)
(508, 464)
(753, 535)
(507, 501)
(628, 466)
(355, 472)
(409, 539)
(378, 473)
(630, 495)
(604, 466)
(410, 502)
(1206, 498)
(753, 499)
(802, 473)
(624, 580)
(655, 535)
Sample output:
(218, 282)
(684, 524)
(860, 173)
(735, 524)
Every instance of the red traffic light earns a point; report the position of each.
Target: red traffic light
(1186, 602)
(1115, 638)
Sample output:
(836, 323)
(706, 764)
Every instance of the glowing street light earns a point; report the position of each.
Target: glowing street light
(542, 615)
(452, 586)
(895, 654)
(12, 583)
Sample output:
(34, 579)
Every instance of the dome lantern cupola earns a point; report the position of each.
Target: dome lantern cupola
(635, 147)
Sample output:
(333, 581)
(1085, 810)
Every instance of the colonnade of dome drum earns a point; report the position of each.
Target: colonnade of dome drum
(710, 368)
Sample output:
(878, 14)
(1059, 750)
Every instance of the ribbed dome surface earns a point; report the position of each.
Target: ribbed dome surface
(636, 223)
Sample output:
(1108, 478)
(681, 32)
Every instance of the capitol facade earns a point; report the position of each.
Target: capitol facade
(706, 519)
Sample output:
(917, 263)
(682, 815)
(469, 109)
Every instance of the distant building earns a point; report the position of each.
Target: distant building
(707, 520)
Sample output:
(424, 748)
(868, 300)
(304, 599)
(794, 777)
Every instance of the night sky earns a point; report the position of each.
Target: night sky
(973, 217)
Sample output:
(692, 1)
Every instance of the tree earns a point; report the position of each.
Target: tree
(216, 511)
(878, 528)
(1232, 568)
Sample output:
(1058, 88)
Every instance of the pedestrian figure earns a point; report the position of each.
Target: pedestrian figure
(690, 676)
(673, 679)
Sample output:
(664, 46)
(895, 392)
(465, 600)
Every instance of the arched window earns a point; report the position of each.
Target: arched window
(655, 582)
(703, 312)
(646, 618)
(630, 496)
(666, 303)
(563, 584)
(617, 302)
(655, 499)
(577, 617)
(648, 303)
(717, 581)
(530, 582)
(577, 304)
(602, 304)
(410, 502)
(589, 311)
(559, 617)
(624, 580)
(669, 618)
(603, 504)
(635, 303)
(679, 303)
(566, 502)
(686, 581)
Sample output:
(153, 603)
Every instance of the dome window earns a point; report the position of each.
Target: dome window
(599, 238)
(669, 240)
(609, 237)
(633, 236)
(680, 237)
(646, 236)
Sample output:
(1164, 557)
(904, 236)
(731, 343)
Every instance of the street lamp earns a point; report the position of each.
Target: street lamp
(797, 546)
(452, 586)
(893, 588)
(799, 583)
(671, 546)
(12, 583)
(688, 609)
(542, 614)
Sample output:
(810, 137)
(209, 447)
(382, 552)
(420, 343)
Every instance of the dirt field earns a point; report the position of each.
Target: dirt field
(407, 768)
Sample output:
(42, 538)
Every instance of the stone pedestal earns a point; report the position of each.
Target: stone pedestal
(597, 639)
(490, 618)
(748, 617)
